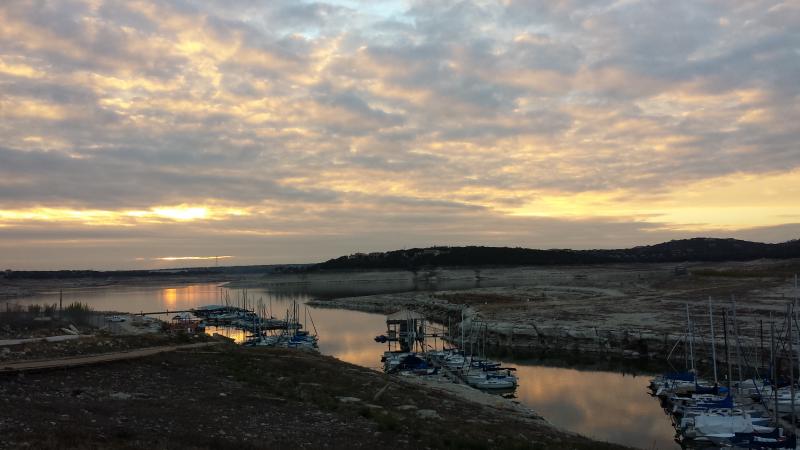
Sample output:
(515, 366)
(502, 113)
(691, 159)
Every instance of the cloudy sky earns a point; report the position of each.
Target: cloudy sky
(290, 131)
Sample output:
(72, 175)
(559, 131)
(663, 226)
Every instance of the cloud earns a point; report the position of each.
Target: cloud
(408, 121)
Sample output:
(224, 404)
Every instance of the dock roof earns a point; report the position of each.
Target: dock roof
(405, 314)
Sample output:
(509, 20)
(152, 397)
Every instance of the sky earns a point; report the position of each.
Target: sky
(139, 134)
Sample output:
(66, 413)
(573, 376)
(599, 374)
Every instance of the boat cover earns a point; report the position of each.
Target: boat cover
(707, 425)
(679, 376)
(726, 402)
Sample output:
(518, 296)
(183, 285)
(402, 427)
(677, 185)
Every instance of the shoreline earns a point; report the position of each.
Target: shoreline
(619, 311)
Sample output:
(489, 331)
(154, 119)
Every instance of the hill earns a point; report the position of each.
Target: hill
(685, 250)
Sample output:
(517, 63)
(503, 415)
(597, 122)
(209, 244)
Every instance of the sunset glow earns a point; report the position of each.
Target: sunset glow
(293, 131)
(117, 218)
(191, 258)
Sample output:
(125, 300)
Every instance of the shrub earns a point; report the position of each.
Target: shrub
(78, 312)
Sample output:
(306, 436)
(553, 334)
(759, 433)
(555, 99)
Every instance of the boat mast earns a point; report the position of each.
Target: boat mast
(738, 345)
(449, 333)
(462, 329)
(713, 341)
(774, 373)
(727, 350)
(691, 337)
(791, 361)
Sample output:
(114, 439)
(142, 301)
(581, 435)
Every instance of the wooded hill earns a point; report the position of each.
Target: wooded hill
(685, 250)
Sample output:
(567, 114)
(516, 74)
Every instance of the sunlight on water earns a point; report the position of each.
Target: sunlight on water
(237, 335)
(602, 405)
(134, 299)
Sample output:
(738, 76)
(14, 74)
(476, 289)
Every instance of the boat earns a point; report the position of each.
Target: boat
(492, 379)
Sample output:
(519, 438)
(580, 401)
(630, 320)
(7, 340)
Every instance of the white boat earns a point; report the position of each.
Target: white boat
(784, 402)
(455, 361)
(491, 379)
(717, 429)
(488, 380)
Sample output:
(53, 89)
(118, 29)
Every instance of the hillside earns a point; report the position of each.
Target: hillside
(685, 250)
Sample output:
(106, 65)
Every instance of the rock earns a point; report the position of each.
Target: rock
(406, 407)
(428, 414)
(349, 399)
(120, 396)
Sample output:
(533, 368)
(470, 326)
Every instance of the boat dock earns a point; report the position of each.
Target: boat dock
(409, 353)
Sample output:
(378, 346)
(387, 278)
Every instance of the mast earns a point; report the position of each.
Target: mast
(449, 333)
(791, 361)
(727, 351)
(774, 374)
(738, 346)
(713, 340)
(761, 342)
(462, 329)
(691, 337)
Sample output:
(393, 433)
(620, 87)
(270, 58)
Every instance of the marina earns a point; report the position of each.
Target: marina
(410, 353)
(754, 406)
(620, 412)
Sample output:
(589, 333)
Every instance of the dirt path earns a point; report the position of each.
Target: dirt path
(63, 363)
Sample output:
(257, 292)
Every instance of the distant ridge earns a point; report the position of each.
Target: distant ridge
(684, 250)
(152, 273)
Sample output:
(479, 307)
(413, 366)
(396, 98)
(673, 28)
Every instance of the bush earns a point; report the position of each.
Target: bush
(51, 310)
(78, 312)
(77, 308)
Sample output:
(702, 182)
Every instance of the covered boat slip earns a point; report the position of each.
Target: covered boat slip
(254, 317)
(410, 354)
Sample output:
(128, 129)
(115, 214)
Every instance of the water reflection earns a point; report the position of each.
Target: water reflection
(603, 405)
(348, 335)
(236, 334)
(134, 299)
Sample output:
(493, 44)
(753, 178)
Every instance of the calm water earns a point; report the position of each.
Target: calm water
(603, 405)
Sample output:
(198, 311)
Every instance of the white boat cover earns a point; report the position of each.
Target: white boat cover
(706, 425)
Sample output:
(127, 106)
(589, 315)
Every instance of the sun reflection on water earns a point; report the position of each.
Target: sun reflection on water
(237, 335)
